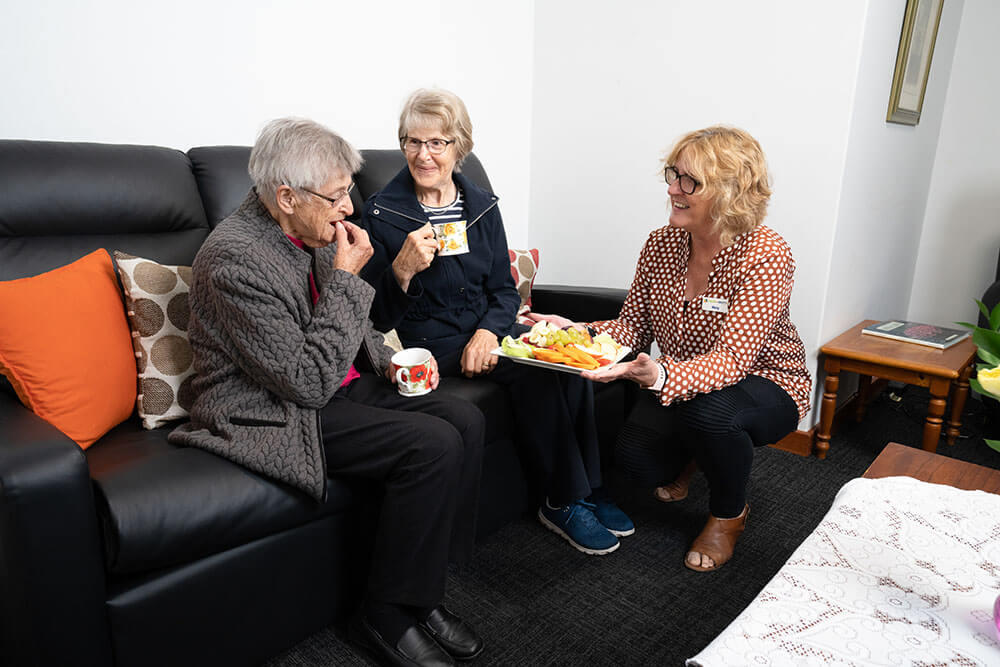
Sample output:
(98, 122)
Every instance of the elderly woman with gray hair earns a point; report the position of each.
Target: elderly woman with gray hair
(292, 383)
(442, 278)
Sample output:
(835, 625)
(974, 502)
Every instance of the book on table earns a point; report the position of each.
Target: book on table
(917, 332)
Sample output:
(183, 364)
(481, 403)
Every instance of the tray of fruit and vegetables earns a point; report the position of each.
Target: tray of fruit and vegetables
(569, 350)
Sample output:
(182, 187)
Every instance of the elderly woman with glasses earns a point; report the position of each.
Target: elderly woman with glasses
(441, 273)
(712, 288)
(292, 383)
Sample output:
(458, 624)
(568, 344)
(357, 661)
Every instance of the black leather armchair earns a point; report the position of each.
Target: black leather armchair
(136, 552)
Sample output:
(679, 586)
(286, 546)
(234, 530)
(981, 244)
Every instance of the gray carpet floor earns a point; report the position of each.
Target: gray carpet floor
(537, 601)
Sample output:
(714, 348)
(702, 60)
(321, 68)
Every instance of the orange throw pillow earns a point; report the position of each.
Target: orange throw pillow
(65, 346)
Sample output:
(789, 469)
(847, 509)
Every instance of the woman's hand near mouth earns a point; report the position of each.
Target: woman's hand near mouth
(353, 247)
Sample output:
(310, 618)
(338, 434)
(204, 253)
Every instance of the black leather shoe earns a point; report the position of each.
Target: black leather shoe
(453, 634)
(414, 649)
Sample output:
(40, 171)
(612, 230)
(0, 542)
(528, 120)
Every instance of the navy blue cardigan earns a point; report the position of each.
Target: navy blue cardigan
(457, 294)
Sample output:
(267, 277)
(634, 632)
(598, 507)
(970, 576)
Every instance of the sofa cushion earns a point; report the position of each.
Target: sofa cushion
(580, 304)
(489, 397)
(62, 200)
(65, 347)
(222, 177)
(163, 505)
(156, 299)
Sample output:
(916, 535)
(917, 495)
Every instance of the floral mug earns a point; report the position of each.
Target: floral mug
(452, 238)
(412, 369)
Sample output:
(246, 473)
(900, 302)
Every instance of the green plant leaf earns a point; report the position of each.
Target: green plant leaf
(983, 309)
(985, 367)
(987, 340)
(994, 317)
(966, 325)
(974, 383)
(995, 444)
(990, 359)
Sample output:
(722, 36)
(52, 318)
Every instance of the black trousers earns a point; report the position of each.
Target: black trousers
(428, 452)
(719, 430)
(554, 420)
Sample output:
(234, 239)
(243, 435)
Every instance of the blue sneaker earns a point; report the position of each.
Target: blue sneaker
(612, 517)
(577, 523)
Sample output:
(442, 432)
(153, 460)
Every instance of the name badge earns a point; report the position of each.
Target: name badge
(714, 305)
(451, 238)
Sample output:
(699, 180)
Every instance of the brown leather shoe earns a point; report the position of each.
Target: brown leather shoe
(677, 489)
(717, 540)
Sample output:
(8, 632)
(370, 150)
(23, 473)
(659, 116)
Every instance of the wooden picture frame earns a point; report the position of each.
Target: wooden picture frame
(913, 60)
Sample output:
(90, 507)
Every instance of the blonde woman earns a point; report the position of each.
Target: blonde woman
(712, 289)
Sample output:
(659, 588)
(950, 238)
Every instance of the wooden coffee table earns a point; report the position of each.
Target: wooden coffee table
(897, 459)
(873, 356)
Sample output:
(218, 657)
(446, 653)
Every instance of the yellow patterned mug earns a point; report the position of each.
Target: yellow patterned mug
(451, 238)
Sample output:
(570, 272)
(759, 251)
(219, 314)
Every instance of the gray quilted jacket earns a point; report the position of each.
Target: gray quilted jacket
(266, 359)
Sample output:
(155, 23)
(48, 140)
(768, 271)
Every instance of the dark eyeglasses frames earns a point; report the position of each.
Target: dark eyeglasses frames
(688, 184)
(434, 146)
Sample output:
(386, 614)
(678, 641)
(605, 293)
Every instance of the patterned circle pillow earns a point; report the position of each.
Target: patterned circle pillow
(156, 298)
(524, 267)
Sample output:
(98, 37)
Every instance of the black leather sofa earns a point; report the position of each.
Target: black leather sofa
(136, 552)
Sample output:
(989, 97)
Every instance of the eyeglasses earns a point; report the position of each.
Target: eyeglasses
(434, 146)
(688, 184)
(333, 200)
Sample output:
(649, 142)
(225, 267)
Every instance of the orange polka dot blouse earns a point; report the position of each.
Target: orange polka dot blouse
(704, 350)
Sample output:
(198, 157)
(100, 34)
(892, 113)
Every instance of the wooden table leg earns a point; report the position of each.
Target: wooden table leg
(829, 406)
(958, 396)
(935, 411)
(864, 387)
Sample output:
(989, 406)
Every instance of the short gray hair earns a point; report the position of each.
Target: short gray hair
(301, 154)
(428, 106)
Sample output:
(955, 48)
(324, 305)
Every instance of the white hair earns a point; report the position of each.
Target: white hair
(301, 154)
(432, 106)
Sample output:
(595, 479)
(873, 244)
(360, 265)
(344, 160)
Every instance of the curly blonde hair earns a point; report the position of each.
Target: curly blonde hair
(732, 168)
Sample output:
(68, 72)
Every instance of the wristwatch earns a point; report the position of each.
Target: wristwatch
(660, 380)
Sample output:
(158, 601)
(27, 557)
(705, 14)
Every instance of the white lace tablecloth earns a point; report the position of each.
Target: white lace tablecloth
(899, 572)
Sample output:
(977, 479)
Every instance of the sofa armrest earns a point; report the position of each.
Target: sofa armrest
(52, 583)
(578, 303)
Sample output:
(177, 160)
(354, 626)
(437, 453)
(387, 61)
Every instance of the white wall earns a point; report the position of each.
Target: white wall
(886, 178)
(613, 90)
(194, 72)
(961, 235)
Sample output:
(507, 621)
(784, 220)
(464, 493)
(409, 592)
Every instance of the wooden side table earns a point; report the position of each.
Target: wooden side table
(873, 356)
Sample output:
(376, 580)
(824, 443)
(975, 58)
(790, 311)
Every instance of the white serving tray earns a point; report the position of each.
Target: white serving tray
(622, 353)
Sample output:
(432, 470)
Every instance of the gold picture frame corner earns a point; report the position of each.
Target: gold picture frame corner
(919, 31)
